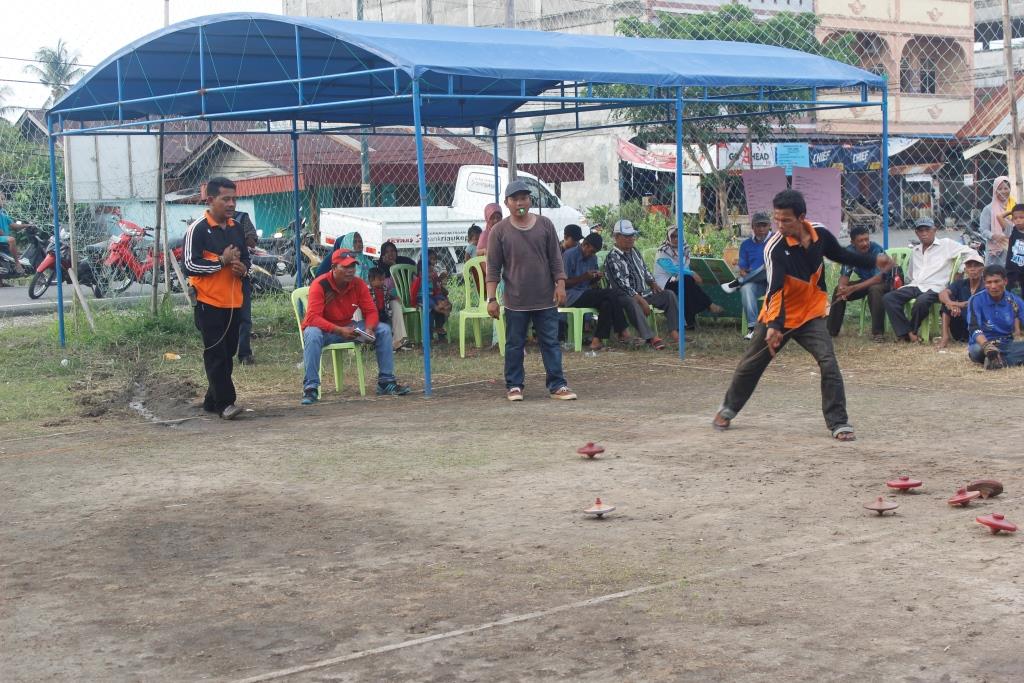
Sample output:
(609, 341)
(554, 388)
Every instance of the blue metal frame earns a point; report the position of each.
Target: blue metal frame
(424, 256)
(680, 231)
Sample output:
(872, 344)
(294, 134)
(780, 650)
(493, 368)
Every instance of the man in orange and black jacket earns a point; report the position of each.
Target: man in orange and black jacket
(795, 306)
(216, 260)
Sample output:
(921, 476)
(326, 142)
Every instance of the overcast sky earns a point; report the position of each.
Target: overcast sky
(95, 28)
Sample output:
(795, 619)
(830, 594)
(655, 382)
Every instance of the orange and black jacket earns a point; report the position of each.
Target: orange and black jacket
(215, 284)
(796, 279)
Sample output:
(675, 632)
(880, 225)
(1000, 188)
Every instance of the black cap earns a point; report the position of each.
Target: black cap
(594, 240)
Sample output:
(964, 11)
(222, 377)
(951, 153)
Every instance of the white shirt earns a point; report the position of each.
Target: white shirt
(931, 269)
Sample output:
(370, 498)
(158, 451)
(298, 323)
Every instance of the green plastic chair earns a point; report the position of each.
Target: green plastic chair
(475, 287)
(403, 274)
(300, 300)
(574, 318)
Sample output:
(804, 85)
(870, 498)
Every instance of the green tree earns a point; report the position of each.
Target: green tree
(732, 23)
(5, 93)
(58, 70)
(25, 177)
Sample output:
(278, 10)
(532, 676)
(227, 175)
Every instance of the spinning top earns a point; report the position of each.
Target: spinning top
(590, 450)
(881, 506)
(599, 509)
(963, 497)
(996, 523)
(989, 488)
(903, 483)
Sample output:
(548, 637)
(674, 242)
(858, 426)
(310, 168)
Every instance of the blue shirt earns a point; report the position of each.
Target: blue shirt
(5, 224)
(576, 265)
(874, 249)
(960, 290)
(752, 254)
(994, 319)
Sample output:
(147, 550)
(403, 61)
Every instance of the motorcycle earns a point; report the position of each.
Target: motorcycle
(973, 239)
(121, 266)
(29, 259)
(283, 243)
(46, 271)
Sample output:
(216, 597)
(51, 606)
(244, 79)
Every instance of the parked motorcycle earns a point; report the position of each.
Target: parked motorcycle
(973, 239)
(46, 271)
(122, 266)
(29, 258)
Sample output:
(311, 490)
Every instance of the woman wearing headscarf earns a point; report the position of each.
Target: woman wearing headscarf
(994, 223)
(353, 241)
(666, 274)
(389, 257)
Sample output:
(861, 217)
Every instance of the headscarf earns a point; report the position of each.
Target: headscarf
(671, 251)
(1000, 224)
(490, 209)
(346, 242)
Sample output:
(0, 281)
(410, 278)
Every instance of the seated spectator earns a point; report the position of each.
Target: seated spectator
(440, 306)
(389, 257)
(333, 298)
(1015, 251)
(994, 318)
(389, 310)
(626, 272)
(572, 235)
(352, 242)
(931, 264)
(871, 283)
(472, 237)
(954, 300)
(666, 274)
(753, 281)
(582, 290)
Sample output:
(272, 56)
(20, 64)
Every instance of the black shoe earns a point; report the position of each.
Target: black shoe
(247, 360)
(309, 397)
(392, 389)
(231, 412)
(994, 361)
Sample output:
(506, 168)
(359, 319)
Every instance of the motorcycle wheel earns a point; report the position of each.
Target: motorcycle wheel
(40, 283)
(264, 286)
(115, 279)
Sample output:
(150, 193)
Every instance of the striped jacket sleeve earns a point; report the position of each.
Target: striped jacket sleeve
(774, 312)
(192, 247)
(617, 272)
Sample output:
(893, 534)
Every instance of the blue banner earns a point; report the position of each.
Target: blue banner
(829, 156)
(790, 154)
(865, 158)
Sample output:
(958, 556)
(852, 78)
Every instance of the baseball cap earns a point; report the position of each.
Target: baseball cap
(623, 227)
(491, 209)
(574, 231)
(972, 256)
(761, 218)
(924, 222)
(594, 240)
(515, 187)
(343, 257)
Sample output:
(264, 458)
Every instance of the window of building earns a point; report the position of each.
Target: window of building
(906, 76)
(927, 76)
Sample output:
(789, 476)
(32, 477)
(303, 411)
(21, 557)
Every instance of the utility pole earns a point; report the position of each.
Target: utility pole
(167, 13)
(1011, 93)
(365, 189)
(510, 124)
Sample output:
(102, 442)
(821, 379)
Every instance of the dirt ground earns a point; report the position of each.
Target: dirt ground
(441, 539)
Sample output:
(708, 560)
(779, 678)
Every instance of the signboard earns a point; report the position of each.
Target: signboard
(112, 167)
(790, 154)
(865, 158)
(823, 194)
(761, 186)
(828, 156)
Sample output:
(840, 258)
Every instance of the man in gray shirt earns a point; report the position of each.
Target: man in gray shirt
(523, 252)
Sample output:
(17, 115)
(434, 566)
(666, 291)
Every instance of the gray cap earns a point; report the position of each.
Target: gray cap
(924, 222)
(761, 218)
(515, 187)
(972, 255)
(623, 227)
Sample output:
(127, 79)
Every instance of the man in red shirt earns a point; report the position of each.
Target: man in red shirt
(334, 297)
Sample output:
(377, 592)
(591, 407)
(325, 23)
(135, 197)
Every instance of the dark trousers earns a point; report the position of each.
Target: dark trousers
(874, 293)
(814, 337)
(245, 320)
(695, 299)
(545, 325)
(219, 329)
(897, 298)
(957, 325)
(666, 301)
(610, 314)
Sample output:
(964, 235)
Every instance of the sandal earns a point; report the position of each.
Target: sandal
(720, 427)
(656, 343)
(844, 433)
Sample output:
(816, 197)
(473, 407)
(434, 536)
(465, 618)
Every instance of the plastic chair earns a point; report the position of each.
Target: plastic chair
(574, 318)
(474, 286)
(300, 299)
(403, 274)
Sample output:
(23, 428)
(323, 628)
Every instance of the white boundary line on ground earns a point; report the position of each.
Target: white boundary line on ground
(540, 614)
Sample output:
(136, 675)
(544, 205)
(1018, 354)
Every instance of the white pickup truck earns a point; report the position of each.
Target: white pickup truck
(446, 225)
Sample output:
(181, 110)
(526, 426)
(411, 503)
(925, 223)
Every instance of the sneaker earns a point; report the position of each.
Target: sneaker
(563, 394)
(749, 334)
(515, 394)
(392, 389)
(231, 412)
(309, 397)
(730, 287)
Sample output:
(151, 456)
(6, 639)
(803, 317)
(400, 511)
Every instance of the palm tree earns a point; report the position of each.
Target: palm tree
(5, 92)
(58, 71)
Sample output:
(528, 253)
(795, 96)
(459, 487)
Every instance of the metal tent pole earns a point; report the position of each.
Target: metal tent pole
(56, 232)
(885, 166)
(299, 275)
(494, 140)
(680, 233)
(421, 174)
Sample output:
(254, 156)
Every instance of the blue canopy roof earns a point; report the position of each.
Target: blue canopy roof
(246, 48)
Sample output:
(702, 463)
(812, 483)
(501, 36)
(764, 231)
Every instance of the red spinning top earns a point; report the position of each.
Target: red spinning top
(989, 488)
(881, 506)
(599, 509)
(904, 483)
(996, 522)
(590, 450)
(963, 497)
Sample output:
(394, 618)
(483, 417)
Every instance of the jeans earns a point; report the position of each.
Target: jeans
(753, 287)
(545, 325)
(897, 298)
(1013, 352)
(814, 337)
(219, 329)
(245, 321)
(874, 294)
(314, 340)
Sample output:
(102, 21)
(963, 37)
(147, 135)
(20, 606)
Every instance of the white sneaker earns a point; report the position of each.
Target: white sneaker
(730, 287)
(749, 334)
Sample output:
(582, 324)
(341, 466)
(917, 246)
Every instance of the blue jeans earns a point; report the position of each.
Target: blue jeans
(754, 286)
(314, 340)
(1013, 352)
(545, 324)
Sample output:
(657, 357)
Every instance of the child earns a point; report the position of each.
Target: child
(472, 237)
(384, 299)
(440, 306)
(1015, 251)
